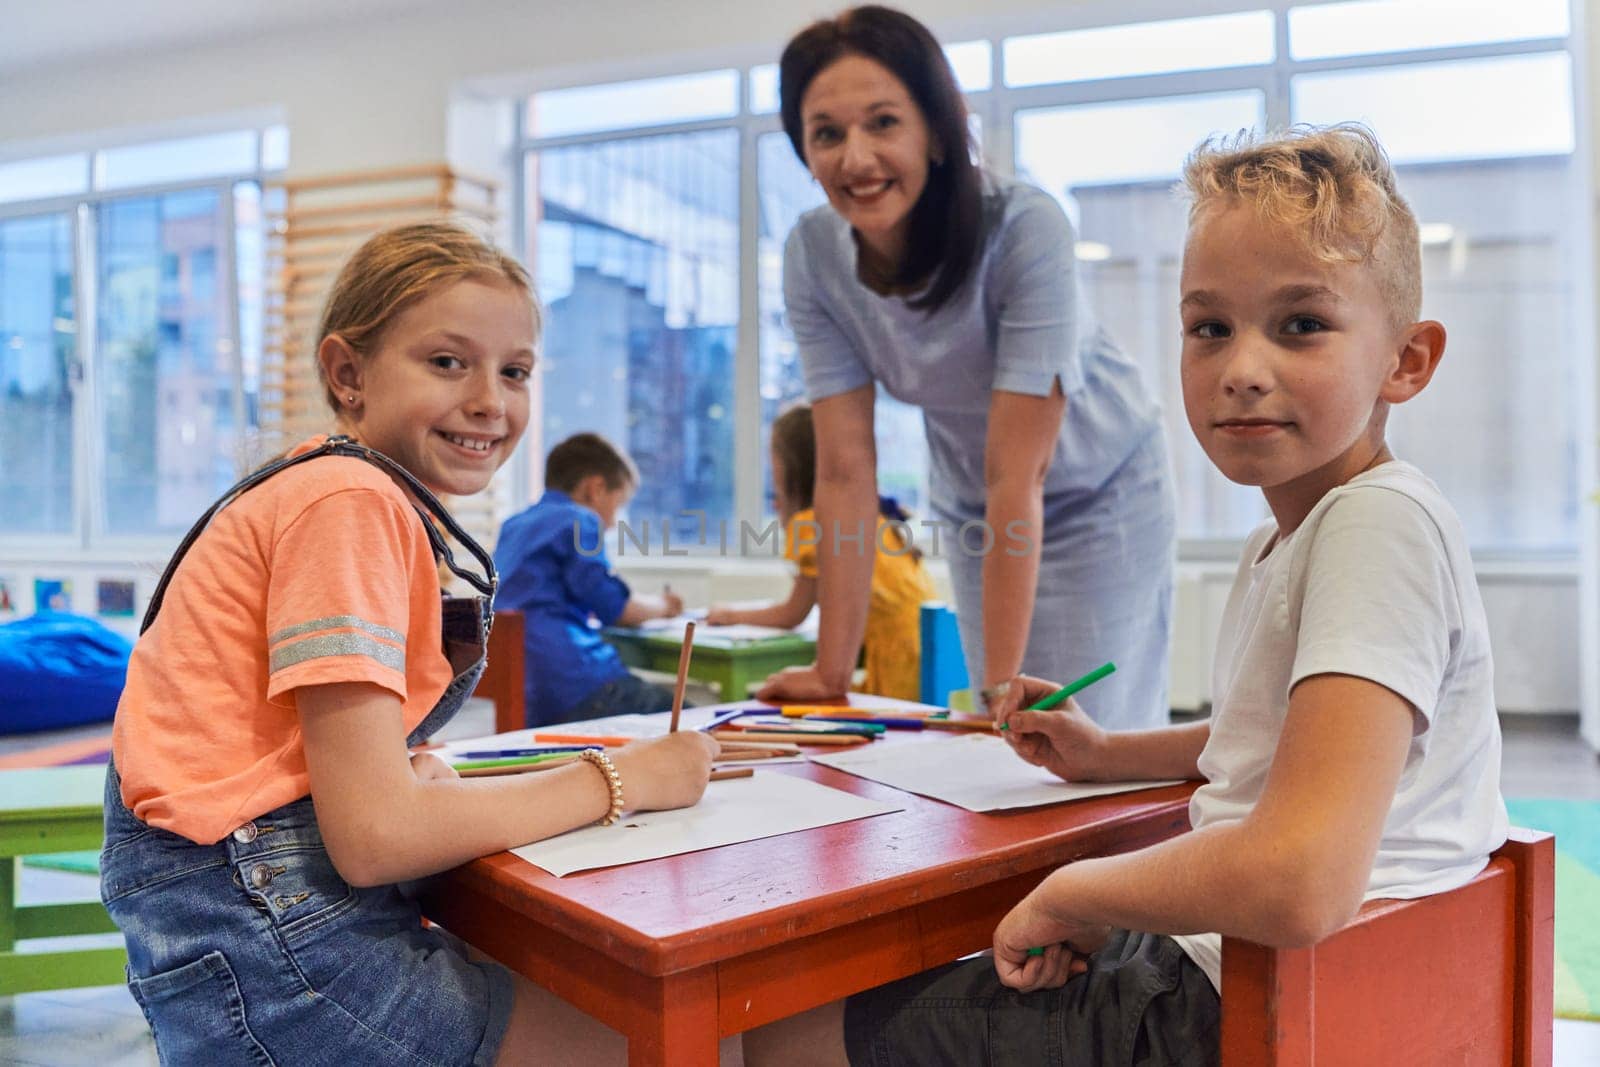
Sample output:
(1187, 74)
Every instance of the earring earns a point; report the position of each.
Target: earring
(352, 398)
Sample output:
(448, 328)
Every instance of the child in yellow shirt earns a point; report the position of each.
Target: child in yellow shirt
(900, 583)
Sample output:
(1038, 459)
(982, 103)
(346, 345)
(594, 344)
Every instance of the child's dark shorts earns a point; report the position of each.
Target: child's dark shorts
(255, 951)
(1142, 1002)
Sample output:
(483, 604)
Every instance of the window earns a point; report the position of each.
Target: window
(1378, 26)
(38, 366)
(1143, 48)
(787, 191)
(1484, 150)
(1130, 235)
(1473, 100)
(638, 265)
(146, 397)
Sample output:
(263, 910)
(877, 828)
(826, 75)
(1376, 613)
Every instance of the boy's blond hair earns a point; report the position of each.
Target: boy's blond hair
(398, 267)
(1331, 185)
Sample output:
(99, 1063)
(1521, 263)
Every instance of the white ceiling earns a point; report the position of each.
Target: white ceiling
(37, 34)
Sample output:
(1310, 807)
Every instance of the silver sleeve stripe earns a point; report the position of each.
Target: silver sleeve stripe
(339, 622)
(325, 646)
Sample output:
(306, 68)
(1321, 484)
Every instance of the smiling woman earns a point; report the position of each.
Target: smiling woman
(957, 291)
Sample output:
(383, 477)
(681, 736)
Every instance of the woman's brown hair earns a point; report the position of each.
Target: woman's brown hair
(946, 231)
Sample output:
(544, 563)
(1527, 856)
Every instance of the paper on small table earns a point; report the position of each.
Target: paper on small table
(738, 809)
(975, 772)
(736, 633)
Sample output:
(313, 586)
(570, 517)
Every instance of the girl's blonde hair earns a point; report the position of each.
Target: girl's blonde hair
(1333, 186)
(399, 266)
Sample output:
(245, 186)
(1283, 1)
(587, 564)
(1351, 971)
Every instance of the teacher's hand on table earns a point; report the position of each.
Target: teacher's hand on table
(797, 685)
(1064, 741)
(721, 615)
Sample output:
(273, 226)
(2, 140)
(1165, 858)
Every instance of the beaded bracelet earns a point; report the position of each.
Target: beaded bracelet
(613, 782)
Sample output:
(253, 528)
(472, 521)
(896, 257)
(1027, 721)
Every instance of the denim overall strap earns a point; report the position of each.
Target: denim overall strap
(465, 623)
(340, 445)
(465, 620)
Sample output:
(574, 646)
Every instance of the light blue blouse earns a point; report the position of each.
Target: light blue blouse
(1019, 324)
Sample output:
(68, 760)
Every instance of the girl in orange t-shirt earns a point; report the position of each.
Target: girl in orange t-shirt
(900, 583)
(262, 810)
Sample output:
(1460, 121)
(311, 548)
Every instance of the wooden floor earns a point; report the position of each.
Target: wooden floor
(103, 1027)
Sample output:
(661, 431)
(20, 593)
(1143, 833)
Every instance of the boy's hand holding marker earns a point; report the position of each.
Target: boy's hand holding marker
(1050, 730)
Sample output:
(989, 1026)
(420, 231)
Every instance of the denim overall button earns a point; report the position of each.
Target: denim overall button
(245, 834)
(261, 876)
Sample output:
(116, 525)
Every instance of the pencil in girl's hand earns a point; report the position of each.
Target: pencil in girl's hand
(683, 675)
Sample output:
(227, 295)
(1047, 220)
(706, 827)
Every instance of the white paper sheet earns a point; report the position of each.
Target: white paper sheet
(740, 809)
(737, 633)
(976, 772)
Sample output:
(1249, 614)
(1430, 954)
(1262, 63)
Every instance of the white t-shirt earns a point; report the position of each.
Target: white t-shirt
(1376, 583)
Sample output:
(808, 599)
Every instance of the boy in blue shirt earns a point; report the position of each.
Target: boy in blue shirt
(553, 568)
(1353, 750)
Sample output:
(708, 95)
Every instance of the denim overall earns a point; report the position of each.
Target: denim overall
(254, 950)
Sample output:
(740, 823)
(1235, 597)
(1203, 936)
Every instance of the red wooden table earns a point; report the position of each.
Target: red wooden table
(678, 952)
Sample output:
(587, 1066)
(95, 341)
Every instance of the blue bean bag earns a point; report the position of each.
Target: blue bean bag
(57, 670)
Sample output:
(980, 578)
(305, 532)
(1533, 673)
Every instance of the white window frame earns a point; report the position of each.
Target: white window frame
(88, 541)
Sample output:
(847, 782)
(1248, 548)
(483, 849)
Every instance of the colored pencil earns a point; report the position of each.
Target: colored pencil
(740, 744)
(960, 724)
(806, 727)
(887, 724)
(822, 711)
(726, 716)
(506, 753)
(581, 739)
(723, 774)
(683, 675)
(507, 761)
(516, 767)
(796, 738)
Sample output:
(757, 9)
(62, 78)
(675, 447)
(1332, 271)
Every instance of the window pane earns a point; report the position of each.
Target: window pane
(1130, 237)
(166, 362)
(37, 354)
(1207, 43)
(1140, 140)
(712, 94)
(637, 259)
(1500, 271)
(154, 162)
(1467, 109)
(1371, 27)
(970, 60)
(973, 64)
(249, 251)
(764, 89)
(35, 179)
(274, 148)
(786, 191)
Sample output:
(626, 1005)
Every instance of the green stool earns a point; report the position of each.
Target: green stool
(52, 809)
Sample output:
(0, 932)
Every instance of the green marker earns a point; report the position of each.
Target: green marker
(1060, 696)
(1036, 952)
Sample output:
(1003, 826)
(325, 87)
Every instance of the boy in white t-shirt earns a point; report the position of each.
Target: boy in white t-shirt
(1353, 750)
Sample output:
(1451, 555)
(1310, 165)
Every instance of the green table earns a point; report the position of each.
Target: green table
(51, 809)
(731, 665)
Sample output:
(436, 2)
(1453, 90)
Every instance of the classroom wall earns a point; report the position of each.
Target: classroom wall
(422, 83)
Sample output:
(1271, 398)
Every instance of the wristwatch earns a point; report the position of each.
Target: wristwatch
(991, 693)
